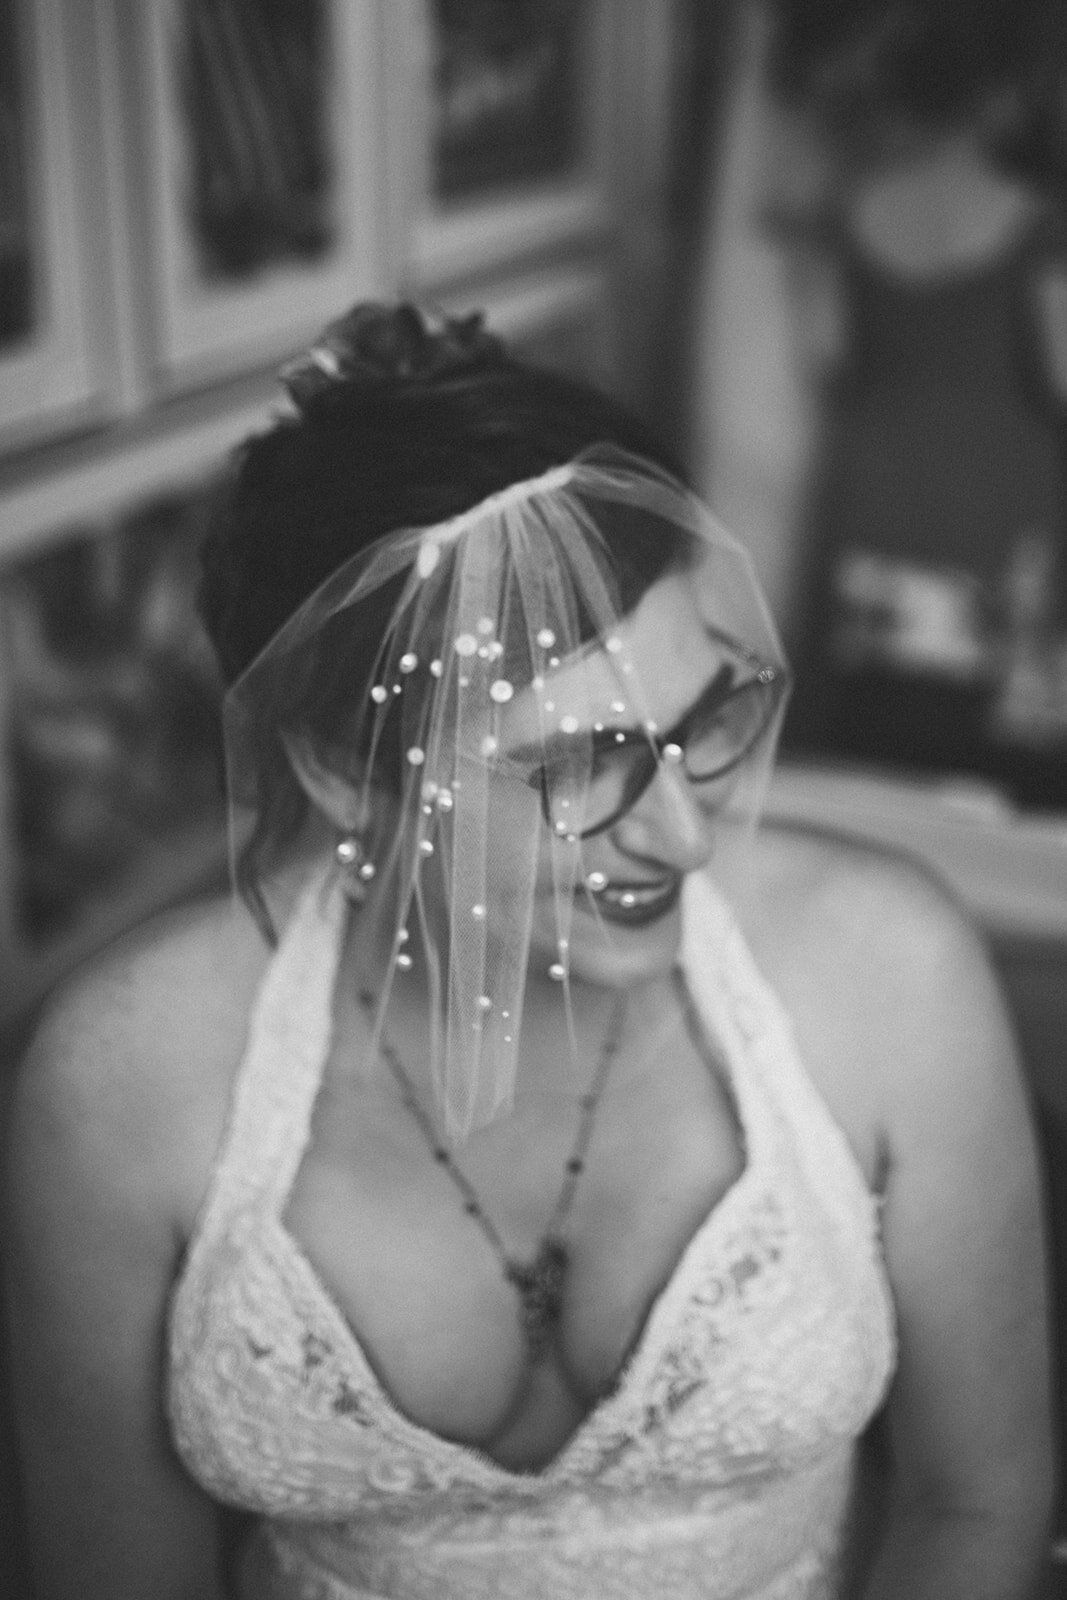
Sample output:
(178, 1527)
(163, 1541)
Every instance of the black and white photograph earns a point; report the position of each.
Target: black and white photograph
(533, 800)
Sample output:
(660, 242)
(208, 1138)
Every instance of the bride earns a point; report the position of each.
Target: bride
(553, 1187)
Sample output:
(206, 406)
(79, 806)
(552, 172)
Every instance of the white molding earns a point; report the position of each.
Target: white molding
(202, 331)
(53, 376)
(121, 268)
(527, 303)
(42, 511)
(575, 297)
(482, 237)
(451, 241)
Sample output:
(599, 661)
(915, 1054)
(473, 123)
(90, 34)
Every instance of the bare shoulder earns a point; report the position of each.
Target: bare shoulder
(844, 901)
(130, 1068)
(117, 1111)
(885, 976)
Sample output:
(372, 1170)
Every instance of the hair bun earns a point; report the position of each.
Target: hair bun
(376, 345)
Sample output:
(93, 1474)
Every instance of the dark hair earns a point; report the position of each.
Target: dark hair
(863, 65)
(400, 423)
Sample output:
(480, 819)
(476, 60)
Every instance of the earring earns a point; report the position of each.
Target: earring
(356, 870)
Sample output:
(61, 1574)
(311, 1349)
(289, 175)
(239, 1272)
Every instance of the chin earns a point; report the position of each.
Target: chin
(613, 956)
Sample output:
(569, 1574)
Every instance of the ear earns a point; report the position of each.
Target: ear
(337, 795)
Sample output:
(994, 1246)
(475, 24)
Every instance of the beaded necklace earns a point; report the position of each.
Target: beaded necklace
(539, 1281)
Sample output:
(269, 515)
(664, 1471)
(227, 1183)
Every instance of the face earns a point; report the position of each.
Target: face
(663, 670)
(661, 719)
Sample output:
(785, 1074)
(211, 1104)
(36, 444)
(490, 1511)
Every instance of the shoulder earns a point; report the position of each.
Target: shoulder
(830, 899)
(886, 978)
(116, 1115)
(128, 1075)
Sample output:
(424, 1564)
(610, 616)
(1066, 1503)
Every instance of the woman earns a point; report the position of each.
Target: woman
(895, 175)
(480, 1230)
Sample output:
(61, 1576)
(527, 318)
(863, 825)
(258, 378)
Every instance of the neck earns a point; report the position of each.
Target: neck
(561, 1032)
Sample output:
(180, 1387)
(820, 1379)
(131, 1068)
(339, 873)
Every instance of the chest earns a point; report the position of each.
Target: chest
(342, 1331)
(771, 1339)
(423, 1280)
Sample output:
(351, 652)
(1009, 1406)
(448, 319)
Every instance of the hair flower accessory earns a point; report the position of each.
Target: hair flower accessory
(376, 345)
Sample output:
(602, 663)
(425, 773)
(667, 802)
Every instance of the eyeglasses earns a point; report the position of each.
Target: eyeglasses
(585, 793)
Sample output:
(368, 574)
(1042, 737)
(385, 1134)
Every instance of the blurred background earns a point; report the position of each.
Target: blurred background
(820, 244)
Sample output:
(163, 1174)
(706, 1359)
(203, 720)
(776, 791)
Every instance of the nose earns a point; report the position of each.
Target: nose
(667, 824)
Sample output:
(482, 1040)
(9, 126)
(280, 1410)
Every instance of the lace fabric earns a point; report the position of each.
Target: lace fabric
(720, 1465)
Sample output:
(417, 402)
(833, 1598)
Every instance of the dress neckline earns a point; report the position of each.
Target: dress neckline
(319, 907)
(663, 1306)
(254, 1331)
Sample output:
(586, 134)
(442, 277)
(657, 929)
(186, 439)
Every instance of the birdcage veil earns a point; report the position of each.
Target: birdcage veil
(463, 628)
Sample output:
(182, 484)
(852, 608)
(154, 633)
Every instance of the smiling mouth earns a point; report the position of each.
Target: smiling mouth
(635, 904)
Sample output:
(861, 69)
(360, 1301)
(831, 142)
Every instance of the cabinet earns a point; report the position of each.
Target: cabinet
(53, 357)
(189, 189)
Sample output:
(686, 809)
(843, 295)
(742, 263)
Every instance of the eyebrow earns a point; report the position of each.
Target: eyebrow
(542, 751)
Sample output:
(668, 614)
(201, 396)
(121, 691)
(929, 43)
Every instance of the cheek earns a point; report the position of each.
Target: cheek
(509, 836)
(717, 794)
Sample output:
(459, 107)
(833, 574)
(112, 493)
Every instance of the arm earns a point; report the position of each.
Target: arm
(93, 1244)
(969, 1414)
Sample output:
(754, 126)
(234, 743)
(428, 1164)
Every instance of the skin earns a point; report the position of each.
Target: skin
(122, 1101)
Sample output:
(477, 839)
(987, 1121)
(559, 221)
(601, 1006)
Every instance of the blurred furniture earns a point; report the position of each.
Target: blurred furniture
(188, 191)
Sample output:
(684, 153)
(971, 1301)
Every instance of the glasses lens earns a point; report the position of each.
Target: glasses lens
(584, 795)
(581, 797)
(726, 733)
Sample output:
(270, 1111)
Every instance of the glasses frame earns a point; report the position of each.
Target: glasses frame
(651, 746)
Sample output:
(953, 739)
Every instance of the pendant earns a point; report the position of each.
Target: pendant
(540, 1288)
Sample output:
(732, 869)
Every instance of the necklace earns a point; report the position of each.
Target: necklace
(538, 1282)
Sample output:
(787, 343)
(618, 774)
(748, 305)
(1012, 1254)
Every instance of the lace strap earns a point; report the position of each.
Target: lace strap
(718, 981)
(765, 1057)
(289, 1036)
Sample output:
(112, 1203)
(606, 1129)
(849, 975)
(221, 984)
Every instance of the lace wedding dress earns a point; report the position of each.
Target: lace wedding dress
(721, 1464)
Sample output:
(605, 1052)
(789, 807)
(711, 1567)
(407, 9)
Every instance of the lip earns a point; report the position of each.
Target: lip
(608, 903)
